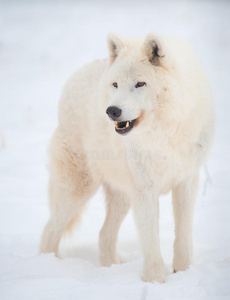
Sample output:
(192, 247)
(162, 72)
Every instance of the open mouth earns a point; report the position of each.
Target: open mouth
(124, 127)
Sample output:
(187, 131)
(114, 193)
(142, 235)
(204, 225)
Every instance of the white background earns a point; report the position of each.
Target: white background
(41, 44)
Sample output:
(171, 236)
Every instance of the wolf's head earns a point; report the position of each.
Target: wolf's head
(134, 80)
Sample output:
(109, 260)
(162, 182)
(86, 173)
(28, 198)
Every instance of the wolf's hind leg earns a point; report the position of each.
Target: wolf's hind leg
(66, 207)
(71, 186)
(118, 206)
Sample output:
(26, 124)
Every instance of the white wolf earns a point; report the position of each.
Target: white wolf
(155, 137)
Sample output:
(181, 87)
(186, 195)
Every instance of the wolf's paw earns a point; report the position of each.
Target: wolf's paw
(181, 264)
(108, 261)
(153, 273)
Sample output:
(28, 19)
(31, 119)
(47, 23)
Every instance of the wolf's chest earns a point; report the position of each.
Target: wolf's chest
(159, 167)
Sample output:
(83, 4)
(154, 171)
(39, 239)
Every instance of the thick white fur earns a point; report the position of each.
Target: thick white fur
(163, 152)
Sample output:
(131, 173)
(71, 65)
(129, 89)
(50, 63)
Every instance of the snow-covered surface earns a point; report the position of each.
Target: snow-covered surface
(41, 45)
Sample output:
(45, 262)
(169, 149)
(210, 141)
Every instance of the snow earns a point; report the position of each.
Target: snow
(41, 44)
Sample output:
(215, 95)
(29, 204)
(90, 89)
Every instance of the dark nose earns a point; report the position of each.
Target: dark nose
(113, 112)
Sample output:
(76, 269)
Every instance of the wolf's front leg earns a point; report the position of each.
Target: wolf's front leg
(184, 196)
(146, 213)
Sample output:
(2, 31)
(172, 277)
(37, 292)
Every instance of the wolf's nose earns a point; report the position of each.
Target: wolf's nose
(113, 112)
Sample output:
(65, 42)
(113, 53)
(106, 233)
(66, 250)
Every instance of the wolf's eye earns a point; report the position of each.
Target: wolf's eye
(115, 85)
(140, 84)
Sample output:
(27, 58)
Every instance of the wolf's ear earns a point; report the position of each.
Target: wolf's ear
(154, 49)
(115, 44)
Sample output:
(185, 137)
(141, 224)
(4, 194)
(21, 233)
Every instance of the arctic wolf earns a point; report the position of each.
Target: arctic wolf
(140, 124)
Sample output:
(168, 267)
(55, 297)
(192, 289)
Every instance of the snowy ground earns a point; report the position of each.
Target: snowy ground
(41, 44)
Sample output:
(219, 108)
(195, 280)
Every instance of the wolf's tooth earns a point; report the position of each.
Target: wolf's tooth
(127, 124)
(116, 124)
